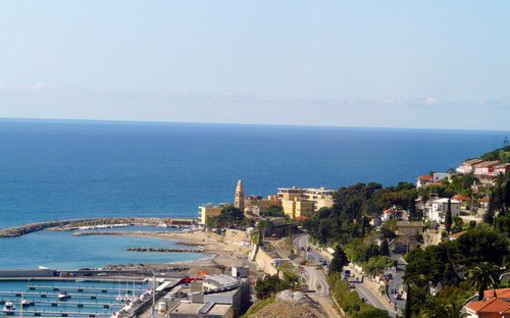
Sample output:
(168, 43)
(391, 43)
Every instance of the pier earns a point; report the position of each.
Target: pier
(48, 294)
(38, 313)
(67, 303)
(82, 289)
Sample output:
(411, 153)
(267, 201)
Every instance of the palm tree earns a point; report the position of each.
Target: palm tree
(438, 307)
(482, 276)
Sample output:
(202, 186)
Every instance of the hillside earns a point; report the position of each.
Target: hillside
(501, 154)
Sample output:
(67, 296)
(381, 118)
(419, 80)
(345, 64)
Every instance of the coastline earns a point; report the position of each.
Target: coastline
(218, 256)
(73, 224)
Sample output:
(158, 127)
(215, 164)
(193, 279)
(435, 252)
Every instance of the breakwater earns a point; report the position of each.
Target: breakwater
(124, 233)
(165, 250)
(64, 225)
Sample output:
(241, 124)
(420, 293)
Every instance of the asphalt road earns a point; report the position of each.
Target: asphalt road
(316, 278)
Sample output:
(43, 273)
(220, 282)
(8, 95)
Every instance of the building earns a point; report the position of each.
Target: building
(423, 180)
(207, 211)
(468, 166)
(290, 193)
(496, 304)
(296, 207)
(261, 203)
(201, 310)
(323, 203)
(438, 176)
(485, 171)
(438, 208)
(239, 196)
(406, 234)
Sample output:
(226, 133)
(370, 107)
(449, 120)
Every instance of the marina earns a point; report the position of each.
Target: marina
(58, 298)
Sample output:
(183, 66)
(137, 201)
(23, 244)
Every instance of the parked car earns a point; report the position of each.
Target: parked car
(102, 274)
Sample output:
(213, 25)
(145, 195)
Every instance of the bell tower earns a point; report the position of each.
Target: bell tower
(239, 199)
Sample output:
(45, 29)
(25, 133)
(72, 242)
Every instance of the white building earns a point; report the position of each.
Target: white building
(438, 208)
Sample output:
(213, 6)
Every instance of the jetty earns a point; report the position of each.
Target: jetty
(80, 289)
(165, 250)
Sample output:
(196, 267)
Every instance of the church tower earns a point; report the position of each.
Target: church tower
(239, 200)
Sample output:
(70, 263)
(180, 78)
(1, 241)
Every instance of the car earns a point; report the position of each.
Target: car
(399, 296)
(388, 276)
(302, 248)
(102, 274)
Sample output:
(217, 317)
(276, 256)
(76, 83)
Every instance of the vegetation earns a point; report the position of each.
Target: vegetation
(351, 303)
(501, 154)
(271, 285)
(274, 211)
(230, 216)
(339, 261)
(257, 306)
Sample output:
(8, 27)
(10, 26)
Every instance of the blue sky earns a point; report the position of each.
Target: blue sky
(415, 64)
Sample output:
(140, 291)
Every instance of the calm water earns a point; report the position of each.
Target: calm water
(72, 169)
(43, 305)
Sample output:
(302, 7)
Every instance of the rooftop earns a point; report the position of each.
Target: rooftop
(490, 305)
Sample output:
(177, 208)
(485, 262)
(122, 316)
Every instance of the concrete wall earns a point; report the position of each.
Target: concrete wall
(27, 273)
(265, 262)
(232, 236)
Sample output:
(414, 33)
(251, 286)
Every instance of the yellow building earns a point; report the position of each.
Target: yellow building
(323, 203)
(263, 204)
(207, 211)
(296, 207)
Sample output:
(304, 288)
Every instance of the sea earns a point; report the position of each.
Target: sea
(64, 169)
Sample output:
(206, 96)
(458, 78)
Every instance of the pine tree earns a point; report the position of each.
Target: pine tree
(407, 309)
(488, 217)
(385, 249)
(448, 220)
(339, 261)
(506, 195)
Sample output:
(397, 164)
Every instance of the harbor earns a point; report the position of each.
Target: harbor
(74, 297)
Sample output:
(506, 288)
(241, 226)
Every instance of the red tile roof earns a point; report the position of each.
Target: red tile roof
(490, 305)
(484, 199)
(457, 235)
(425, 178)
(500, 293)
(461, 197)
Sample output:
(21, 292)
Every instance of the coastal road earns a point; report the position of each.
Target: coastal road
(395, 284)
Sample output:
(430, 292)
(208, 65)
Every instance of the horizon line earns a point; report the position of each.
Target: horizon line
(127, 121)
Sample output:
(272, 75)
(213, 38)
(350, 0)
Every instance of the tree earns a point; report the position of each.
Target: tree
(439, 307)
(488, 217)
(448, 219)
(339, 261)
(407, 309)
(482, 276)
(385, 249)
(274, 210)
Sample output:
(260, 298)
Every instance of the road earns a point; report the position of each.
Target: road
(317, 280)
(396, 283)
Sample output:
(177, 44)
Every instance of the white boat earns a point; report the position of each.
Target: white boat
(119, 297)
(9, 308)
(26, 302)
(63, 295)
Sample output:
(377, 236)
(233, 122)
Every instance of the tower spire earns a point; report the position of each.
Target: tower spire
(239, 199)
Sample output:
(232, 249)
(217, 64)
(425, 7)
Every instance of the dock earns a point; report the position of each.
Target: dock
(55, 303)
(82, 289)
(48, 294)
(38, 313)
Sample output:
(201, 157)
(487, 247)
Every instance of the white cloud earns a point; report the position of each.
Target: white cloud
(431, 101)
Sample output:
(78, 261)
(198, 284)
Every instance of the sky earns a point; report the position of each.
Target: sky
(407, 64)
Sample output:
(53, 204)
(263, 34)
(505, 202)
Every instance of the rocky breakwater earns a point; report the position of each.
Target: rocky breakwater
(166, 250)
(66, 224)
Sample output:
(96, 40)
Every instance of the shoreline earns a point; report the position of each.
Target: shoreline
(218, 256)
(73, 224)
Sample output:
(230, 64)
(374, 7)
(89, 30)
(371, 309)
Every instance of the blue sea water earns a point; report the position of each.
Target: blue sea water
(52, 169)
